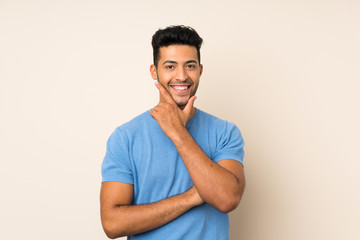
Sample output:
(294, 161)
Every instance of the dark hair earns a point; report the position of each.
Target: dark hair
(174, 35)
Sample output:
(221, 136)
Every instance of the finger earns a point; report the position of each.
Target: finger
(189, 105)
(153, 112)
(164, 93)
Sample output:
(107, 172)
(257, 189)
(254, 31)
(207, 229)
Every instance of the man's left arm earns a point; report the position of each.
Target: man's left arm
(219, 184)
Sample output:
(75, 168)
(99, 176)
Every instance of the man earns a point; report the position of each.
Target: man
(173, 172)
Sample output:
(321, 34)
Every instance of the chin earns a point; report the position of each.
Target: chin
(182, 102)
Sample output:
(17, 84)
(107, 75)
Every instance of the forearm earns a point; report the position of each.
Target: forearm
(127, 220)
(215, 184)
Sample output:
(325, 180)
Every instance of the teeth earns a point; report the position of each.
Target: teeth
(181, 88)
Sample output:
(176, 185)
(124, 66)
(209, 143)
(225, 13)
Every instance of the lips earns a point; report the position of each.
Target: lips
(181, 89)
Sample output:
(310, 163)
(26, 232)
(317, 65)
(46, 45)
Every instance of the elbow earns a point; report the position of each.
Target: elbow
(228, 204)
(112, 231)
(230, 201)
(109, 232)
(110, 235)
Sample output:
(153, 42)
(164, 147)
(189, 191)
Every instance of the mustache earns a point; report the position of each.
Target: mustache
(181, 82)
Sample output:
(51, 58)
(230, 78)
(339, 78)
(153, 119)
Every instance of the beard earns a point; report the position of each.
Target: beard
(181, 101)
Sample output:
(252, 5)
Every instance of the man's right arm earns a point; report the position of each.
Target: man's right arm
(120, 218)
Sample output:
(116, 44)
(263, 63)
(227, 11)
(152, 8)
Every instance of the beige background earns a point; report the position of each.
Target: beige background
(286, 72)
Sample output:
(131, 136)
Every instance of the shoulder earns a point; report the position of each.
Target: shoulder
(207, 117)
(220, 129)
(214, 121)
(132, 125)
(137, 122)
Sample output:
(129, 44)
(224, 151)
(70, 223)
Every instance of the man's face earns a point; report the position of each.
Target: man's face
(178, 71)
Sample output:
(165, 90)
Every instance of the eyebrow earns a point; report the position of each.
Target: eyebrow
(174, 62)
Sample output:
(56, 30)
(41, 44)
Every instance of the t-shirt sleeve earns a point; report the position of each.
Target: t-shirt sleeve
(116, 164)
(230, 144)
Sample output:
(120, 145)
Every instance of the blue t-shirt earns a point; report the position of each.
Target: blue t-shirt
(139, 153)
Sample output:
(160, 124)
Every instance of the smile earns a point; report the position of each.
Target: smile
(180, 89)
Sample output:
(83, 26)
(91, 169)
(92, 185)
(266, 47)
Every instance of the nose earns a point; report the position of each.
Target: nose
(181, 74)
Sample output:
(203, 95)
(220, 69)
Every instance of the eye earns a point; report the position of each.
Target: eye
(191, 66)
(169, 67)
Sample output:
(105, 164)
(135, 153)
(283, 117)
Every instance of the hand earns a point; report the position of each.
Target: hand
(167, 113)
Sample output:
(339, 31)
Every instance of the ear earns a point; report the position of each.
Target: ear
(201, 69)
(153, 72)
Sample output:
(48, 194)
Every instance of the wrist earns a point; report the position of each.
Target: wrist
(178, 134)
(193, 197)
